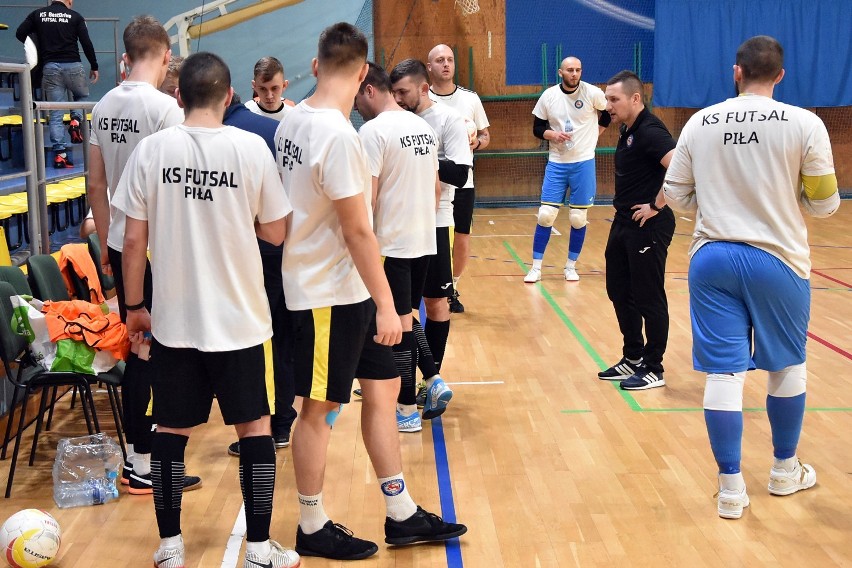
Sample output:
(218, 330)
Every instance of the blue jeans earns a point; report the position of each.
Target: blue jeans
(57, 80)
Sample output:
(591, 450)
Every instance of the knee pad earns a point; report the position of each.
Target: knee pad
(547, 215)
(578, 218)
(724, 391)
(788, 382)
(332, 415)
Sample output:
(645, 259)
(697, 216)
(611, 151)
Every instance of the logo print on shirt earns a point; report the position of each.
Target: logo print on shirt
(629, 140)
(578, 104)
(642, 251)
(447, 285)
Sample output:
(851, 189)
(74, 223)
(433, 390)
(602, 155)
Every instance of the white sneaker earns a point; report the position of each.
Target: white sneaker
(571, 274)
(278, 557)
(783, 482)
(410, 423)
(533, 276)
(730, 503)
(171, 556)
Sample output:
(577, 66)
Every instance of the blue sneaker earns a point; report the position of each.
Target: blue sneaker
(438, 396)
(411, 423)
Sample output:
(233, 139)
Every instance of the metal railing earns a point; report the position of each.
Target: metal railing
(34, 162)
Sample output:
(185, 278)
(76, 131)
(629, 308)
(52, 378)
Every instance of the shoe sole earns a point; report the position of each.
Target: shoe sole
(531, 281)
(410, 430)
(615, 378)
(402, 541)
(193, 487)
(789, 490)
(233, 453)
(279, 446)
(363, 555)
(443, 400)
(144, 491)
(644, 387)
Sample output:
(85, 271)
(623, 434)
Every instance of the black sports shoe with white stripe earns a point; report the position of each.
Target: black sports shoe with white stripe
(643, 379)
(620, 370)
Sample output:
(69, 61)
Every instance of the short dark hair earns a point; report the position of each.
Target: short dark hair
(413, 68)
(204, 80)
(145, 36)
(267, 67)
(377, 77)
(761, 58)
(630, 82)
(341, 45)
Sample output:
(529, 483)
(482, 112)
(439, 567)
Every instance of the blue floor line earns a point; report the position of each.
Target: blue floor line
(445, 491)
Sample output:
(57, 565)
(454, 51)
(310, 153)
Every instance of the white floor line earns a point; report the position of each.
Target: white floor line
(477, 383)
(235, 541)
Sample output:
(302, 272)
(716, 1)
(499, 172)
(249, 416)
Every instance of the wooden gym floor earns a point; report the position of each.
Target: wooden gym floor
(546, 464)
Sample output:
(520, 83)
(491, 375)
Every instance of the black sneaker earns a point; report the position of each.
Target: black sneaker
(422, 526)
(358, 393)
(643, 379)
(420, 399)
(280, 440)
(126, 470)
(75, 131)
(141, 484)
(456, 307)
(234, 449)
(620, 370)
(335, 542)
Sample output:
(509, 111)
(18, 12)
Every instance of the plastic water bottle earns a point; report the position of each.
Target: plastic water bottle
(83, 493)
(569, 128)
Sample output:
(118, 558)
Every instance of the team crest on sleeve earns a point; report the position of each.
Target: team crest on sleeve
(578, 103)
(629, 140)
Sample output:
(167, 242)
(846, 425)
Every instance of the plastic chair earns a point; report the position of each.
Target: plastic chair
(16, 277)
(45, 279)
(107, 281)
(30, 378)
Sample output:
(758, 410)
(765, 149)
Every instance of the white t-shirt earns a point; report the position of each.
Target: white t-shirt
(581, 108)
(277, 115)
(201, 189)
(120, 120)
(745, 157)
(320, 159)
(402, 152)
(452, 145)
(467, 104)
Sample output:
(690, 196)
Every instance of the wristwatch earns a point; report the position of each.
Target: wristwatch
(653, 206)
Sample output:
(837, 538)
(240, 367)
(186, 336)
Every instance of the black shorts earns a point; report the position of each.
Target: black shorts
(327, 345)
(439, 273)
(376, 360)
(463, 209)
(184, 382)
(406, 291)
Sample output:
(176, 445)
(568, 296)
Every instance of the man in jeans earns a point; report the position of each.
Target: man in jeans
(57, 29)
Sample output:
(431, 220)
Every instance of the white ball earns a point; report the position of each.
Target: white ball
(30, 539)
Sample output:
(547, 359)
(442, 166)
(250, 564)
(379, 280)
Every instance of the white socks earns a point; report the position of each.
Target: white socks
(312, 515)
(570, 263)
(141, 464)
(787, 465)
(537, 263)
(262, 549)
(172, 542)
(731, 482)
(398, 501)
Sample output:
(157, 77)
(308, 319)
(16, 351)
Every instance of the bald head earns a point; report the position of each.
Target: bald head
(441, 64)
(570, 72)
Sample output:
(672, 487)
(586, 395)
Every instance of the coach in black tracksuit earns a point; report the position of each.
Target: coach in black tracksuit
(641, 231)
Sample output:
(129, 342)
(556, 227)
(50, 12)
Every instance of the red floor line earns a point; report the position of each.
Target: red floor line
(826, 276)
(831, 346)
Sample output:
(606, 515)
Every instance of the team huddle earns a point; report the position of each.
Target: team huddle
(288, 254)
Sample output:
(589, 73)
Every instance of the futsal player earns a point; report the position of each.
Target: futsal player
(335, 287)
(402, 154)
(170, 82)
(750, 263)
(441, 65)
(569, 116)
(269, 84)
(211, 324)
(410, 84)
(120, 120)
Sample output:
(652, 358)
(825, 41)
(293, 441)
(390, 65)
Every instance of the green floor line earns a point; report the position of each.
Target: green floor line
(587, 347)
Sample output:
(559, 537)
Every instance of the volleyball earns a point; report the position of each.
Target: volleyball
(30, 539)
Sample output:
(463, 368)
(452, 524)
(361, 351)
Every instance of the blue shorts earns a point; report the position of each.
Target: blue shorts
(579, 177)
(749, 310)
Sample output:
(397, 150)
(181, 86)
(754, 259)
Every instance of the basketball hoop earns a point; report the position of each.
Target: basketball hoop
(468, 7)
